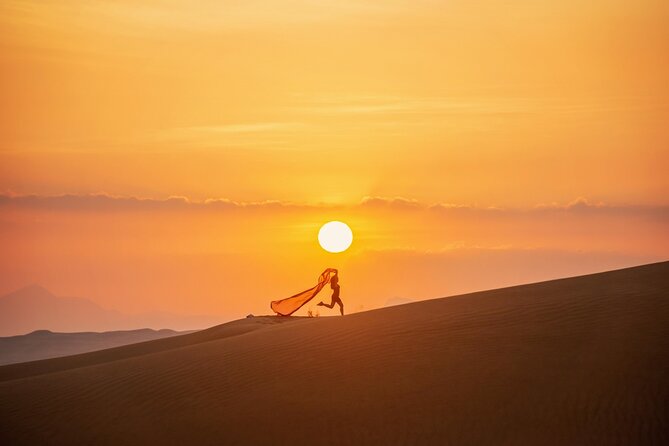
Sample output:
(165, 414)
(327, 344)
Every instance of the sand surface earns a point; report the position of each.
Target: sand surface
(575, 361)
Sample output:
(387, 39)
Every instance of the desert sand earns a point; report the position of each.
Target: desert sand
(574, 361)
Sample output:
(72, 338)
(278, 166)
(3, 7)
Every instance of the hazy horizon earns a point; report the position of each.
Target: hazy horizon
(165, 156)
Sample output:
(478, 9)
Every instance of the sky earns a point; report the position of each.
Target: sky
(178, 156)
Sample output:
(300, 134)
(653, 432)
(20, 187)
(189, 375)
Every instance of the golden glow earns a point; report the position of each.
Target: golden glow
(331, 101)
(335, 236)
(476, 125)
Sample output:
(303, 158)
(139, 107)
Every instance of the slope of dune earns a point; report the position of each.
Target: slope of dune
(574, 361)
(234, 328)
(43, 344)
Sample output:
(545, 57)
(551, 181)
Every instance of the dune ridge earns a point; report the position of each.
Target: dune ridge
(234, 328)
(572, 361)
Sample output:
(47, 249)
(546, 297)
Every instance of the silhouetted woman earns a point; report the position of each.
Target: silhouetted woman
(334, 284)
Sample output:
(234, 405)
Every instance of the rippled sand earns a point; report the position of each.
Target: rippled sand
(575, 361)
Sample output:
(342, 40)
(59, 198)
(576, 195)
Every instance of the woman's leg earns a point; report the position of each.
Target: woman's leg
(341, 306)
(322, 304)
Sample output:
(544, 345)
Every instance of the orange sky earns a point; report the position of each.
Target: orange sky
(461, 106)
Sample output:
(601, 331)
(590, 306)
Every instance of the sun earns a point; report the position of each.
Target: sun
(335, 236)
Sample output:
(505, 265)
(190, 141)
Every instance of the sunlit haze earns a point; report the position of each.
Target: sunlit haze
(183, 157)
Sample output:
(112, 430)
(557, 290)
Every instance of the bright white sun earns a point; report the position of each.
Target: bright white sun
(335, 236)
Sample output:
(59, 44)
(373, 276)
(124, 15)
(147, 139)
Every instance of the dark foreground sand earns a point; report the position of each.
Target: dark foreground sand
(577, 361)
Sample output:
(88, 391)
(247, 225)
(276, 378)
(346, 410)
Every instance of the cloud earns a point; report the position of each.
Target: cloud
(578, 207)
(105, 202)
(391, 202)
(108, 202)
(584, 206)
(67, 202)
(578, 203)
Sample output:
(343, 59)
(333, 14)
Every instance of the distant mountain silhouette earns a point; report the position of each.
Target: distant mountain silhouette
(36, 308)
(43, 344)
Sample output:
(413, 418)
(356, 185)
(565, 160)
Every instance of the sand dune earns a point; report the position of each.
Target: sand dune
(575, 361)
